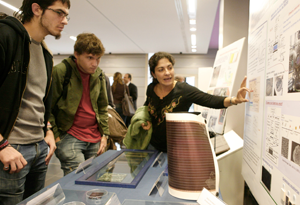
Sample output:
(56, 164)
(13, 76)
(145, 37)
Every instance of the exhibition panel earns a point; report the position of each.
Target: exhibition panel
(271, 131)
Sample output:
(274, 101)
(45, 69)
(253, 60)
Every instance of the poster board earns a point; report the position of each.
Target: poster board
(222, 80)
(271, 157)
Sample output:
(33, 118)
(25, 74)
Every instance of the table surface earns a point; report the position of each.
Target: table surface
(139, 193)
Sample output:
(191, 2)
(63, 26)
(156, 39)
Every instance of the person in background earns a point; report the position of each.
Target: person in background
(118, 93)
(26, 145)
(179, 78)
(133, 93)
(80, 119)
(165, 95)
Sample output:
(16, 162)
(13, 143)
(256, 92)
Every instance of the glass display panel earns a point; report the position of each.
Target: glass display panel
(123, 169)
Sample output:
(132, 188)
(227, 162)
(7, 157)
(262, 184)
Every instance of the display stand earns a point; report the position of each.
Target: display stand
(160, 184)
(84, 164)
(160, 159)
(230, 166)
(54, 195)
(219, 144)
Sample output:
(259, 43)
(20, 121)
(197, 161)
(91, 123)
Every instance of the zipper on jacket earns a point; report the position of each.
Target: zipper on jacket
(49, 87)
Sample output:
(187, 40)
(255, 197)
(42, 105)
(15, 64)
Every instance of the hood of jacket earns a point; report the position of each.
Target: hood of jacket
(17, 26)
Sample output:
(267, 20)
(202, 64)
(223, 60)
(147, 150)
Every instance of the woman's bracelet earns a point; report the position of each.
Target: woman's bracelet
(231, 103)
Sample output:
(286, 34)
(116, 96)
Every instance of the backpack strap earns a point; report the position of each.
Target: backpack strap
(65, 87)
(67, 78)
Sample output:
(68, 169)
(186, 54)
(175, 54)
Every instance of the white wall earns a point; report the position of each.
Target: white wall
(204, 76)
(188, 65)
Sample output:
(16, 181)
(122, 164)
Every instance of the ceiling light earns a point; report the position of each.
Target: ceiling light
(194, 46)
(192, 8)
(193, 39)
(73, 38)
(9, 6)
(194, 50)
(192, 21)
(193, 29)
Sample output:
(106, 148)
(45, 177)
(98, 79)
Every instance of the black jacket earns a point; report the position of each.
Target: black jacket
(14, 61)
(133, 93)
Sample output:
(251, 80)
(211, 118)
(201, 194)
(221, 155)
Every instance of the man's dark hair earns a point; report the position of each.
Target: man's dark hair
(129, 76)
(153, 61)
(25, 13)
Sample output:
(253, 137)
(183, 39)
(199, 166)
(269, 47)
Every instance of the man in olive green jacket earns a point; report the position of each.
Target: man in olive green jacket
(79, 117)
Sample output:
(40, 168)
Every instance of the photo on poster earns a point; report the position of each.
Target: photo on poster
(266, 178)
(224, 92)
(294, 63)
(295, 153)
(215, 76)
(285, 147)
(222, 116)
(278, 85)
(212, 122)
(269, 86)
(205, 113)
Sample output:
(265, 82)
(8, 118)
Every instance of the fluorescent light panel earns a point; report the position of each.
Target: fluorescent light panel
(193, 21)
(9, 6)
(192, 8)
(73, 38)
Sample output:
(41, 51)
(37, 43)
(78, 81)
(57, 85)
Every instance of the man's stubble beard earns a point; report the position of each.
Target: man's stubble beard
(57, 36)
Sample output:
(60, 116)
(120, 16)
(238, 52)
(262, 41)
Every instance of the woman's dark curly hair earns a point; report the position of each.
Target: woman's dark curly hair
(25, 13)
(153, 61)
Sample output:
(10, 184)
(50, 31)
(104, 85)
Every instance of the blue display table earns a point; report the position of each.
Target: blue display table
(139, 193)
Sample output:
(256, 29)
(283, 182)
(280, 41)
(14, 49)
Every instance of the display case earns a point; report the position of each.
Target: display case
(125, 168)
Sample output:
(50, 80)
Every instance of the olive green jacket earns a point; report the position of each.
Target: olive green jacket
(63, 111)
(137, 137)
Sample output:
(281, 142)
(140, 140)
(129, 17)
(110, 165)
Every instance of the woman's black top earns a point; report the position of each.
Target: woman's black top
(179, 99)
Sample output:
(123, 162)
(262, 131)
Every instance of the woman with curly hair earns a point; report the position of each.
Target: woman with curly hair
(165, 95)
